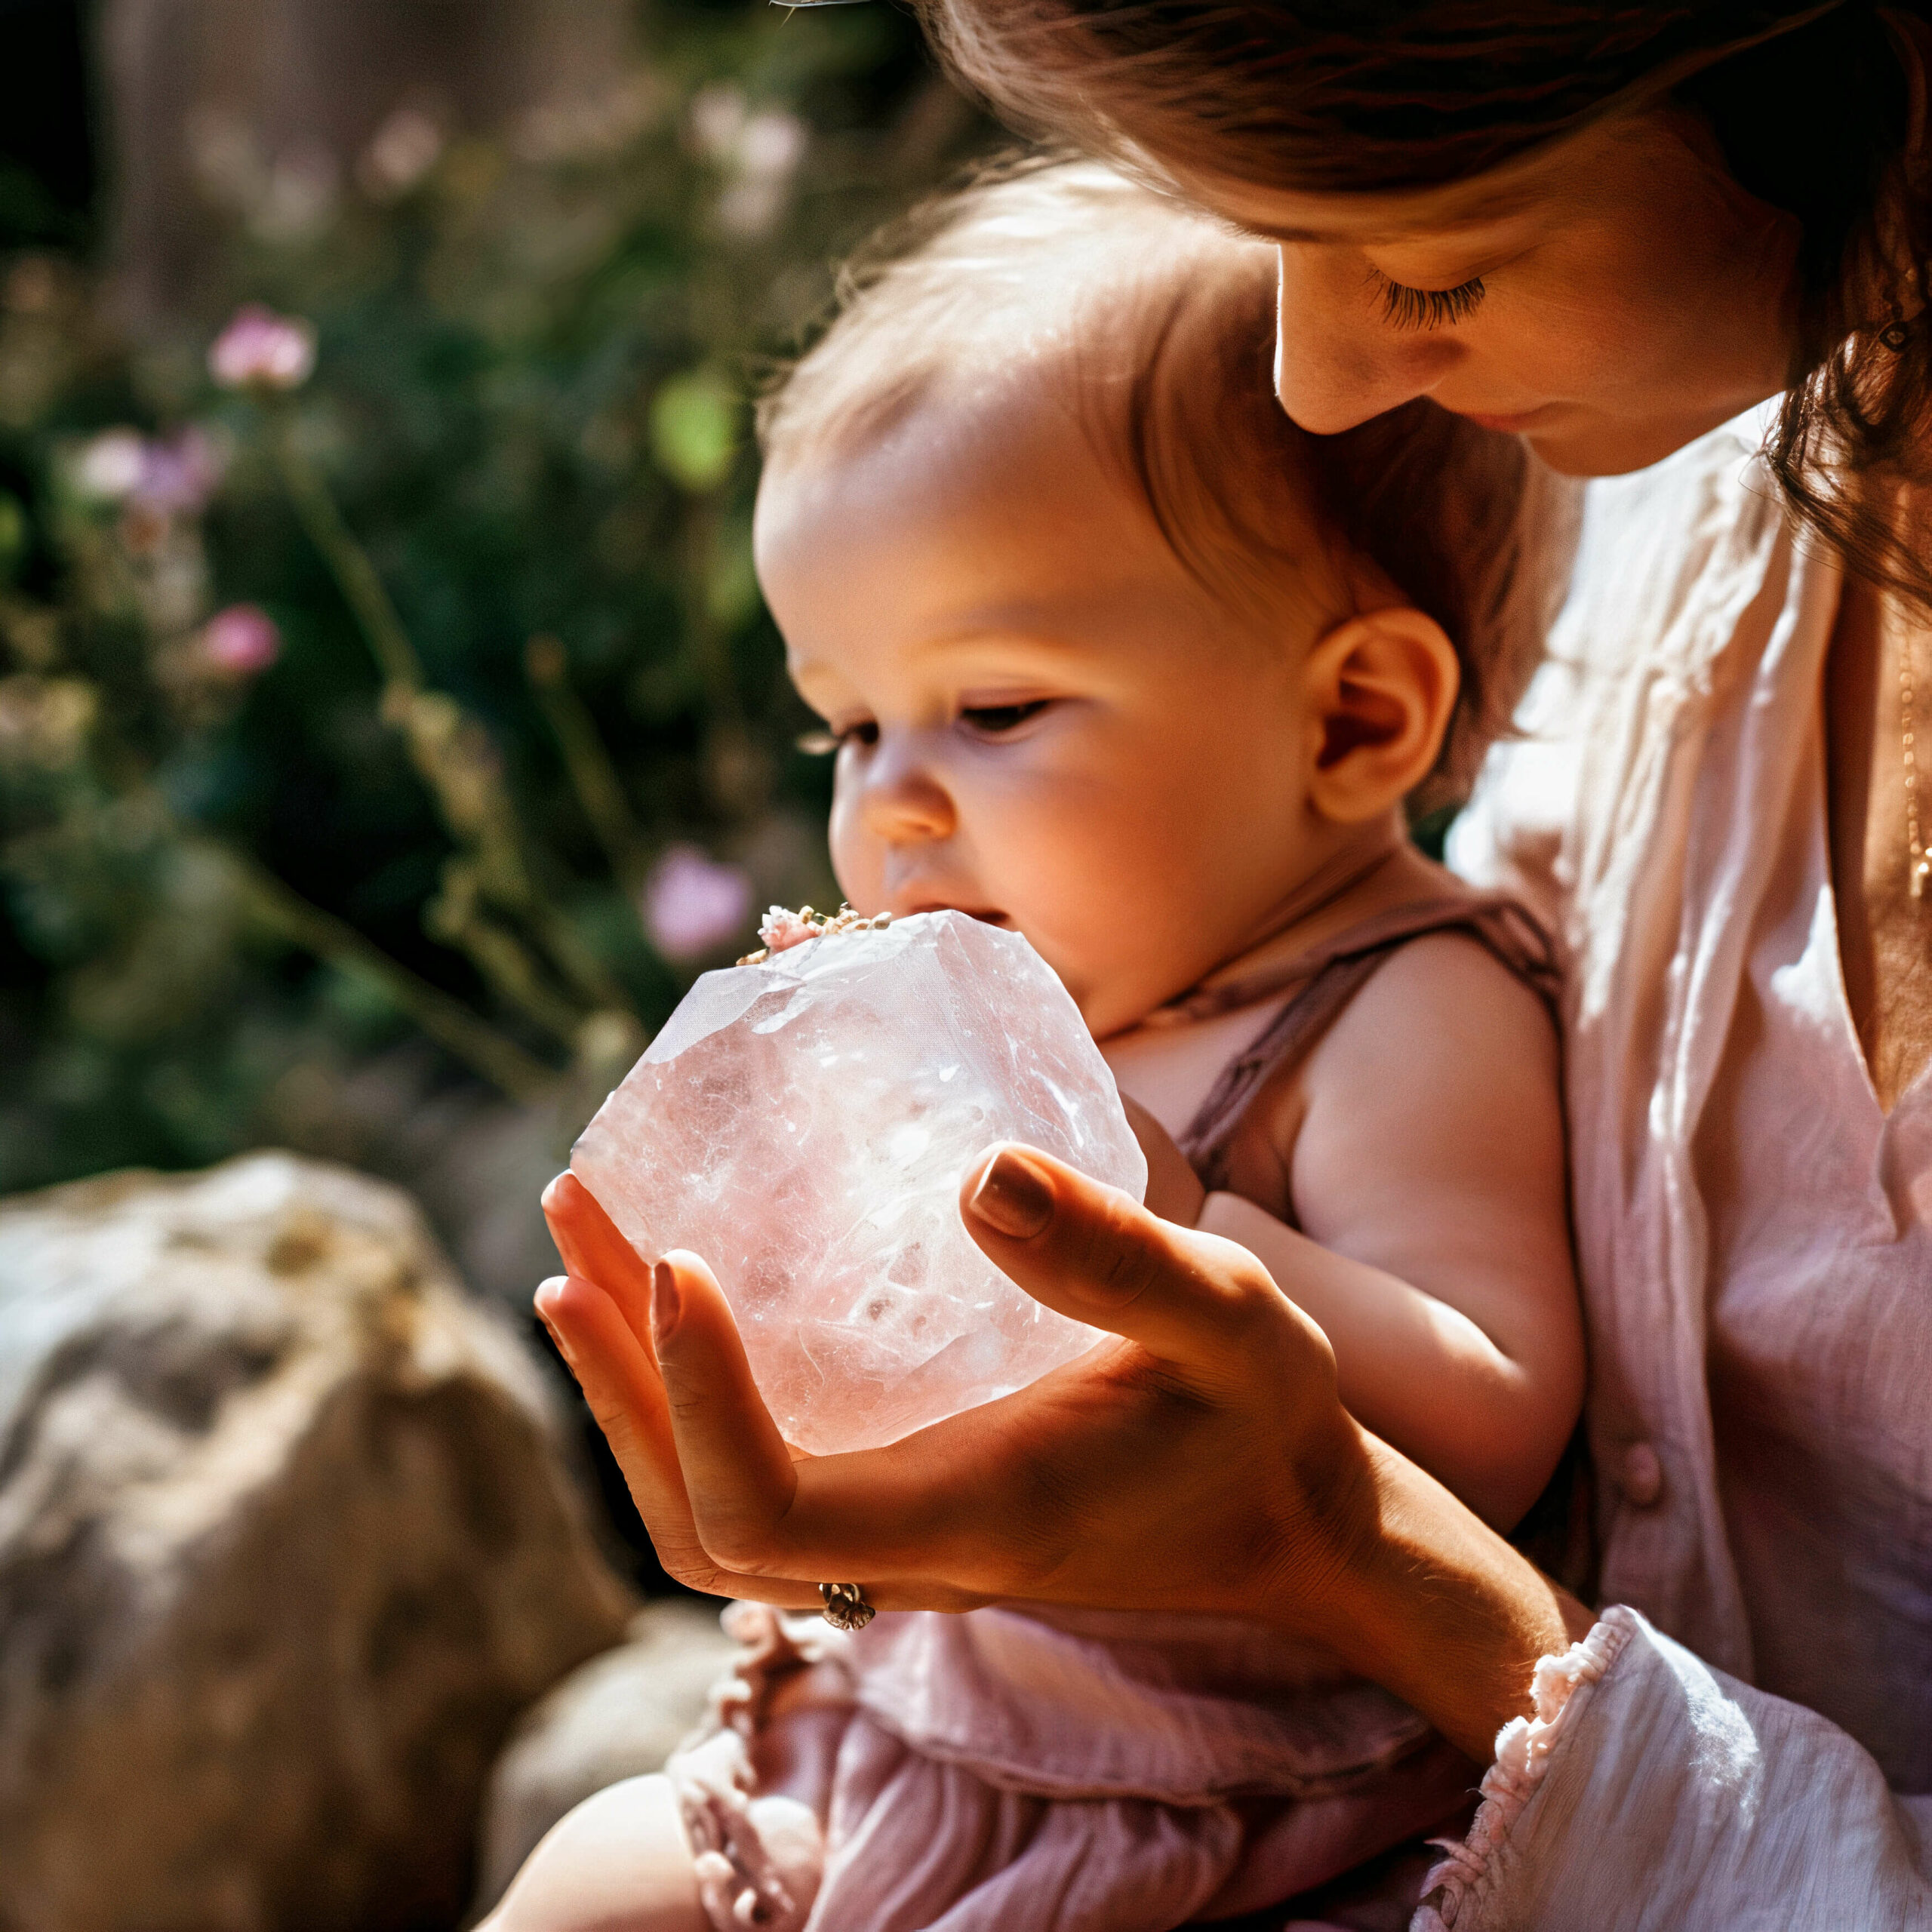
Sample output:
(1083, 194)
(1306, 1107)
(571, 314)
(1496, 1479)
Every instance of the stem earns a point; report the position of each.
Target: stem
(593, 778)
(505, 963)
(709, 645)
(575, 961)
(497, 841)
(446, 1021)
(356, 576)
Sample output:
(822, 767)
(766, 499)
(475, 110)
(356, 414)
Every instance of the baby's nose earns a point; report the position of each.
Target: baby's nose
(904, 801)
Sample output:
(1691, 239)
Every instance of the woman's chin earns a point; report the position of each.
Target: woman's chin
(1586, 444)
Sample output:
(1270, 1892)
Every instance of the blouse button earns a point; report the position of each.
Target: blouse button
(1643, 1476)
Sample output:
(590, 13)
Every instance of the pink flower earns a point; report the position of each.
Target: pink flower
(178, 476)
(782, 929)
(693, 904)
(261, 350)
(240, 640)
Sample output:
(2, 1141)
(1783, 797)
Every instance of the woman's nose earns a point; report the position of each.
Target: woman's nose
(1337, 362)
(902, 802)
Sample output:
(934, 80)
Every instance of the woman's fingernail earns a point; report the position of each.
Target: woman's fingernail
(1014, 1196)
(665, 1306)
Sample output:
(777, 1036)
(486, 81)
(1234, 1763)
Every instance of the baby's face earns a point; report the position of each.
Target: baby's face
(1043, 719)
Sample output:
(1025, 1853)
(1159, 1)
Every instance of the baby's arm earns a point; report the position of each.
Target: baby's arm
(1424, 1145)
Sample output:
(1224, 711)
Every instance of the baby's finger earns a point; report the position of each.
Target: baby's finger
(1203, 1305)
(620, 1384)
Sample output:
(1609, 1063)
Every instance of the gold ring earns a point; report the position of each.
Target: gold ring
(845, 1606)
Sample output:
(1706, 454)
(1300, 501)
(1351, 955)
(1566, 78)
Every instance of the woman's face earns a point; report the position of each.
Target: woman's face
(1610, 297)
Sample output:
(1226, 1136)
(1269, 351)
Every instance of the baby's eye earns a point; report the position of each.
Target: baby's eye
(995, 719)
(817, 744)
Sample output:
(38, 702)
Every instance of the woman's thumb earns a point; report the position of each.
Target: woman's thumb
(1093, 1253)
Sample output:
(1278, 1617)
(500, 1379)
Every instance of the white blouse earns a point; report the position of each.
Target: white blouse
(1747, 1739)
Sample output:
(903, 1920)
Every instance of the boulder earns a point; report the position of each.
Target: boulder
(286, 1543)
(614, 1717)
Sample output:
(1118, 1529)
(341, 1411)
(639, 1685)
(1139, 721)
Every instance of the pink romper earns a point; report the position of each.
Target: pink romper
(1027, 1768)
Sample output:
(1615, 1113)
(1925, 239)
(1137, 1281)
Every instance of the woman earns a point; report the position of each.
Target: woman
(1610, 232)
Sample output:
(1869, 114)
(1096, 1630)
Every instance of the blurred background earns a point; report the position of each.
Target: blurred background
(412, 902)
(390, 729)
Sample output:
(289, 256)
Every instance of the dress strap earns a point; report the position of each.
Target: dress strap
(1321, 982)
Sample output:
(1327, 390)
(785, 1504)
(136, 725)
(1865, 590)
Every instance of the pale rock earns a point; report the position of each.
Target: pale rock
(616, 1717)
(285, 1546)
(804, 1124)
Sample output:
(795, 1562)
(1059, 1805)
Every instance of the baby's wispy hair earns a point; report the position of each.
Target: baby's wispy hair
(1154, 325)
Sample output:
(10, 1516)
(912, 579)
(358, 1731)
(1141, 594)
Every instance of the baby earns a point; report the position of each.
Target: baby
(1113, 654)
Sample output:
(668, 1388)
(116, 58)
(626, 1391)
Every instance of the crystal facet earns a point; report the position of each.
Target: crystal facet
(804, 1124)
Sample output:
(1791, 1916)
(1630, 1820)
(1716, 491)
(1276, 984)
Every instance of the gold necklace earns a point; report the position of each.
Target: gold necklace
(1917, 857)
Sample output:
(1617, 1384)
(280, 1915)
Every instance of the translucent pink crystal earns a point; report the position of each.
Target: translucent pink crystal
(804, 1124)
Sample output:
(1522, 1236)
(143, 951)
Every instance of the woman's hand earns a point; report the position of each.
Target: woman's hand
(1054, 1493)
(1199, 1459)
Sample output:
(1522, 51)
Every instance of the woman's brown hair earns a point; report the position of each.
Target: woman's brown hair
(1811, 105)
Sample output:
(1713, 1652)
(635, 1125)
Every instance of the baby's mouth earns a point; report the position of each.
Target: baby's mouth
(987, 916)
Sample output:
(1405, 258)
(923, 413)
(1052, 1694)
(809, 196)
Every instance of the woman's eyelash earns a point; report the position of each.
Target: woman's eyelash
(1428, 308)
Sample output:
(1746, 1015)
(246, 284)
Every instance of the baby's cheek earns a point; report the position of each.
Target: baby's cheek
(857, 855)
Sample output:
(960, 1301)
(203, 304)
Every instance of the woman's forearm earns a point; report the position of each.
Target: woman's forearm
(1435, 1606)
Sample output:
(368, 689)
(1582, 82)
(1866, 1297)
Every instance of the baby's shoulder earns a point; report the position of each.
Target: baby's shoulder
(1441, 1080)
(1445, 1028)
(1442, 1004)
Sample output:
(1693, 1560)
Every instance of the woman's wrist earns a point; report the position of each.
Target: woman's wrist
(1424, 1599)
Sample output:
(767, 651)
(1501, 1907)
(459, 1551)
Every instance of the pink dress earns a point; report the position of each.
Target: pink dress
(1023, 1768)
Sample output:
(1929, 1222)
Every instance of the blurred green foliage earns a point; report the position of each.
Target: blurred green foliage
(523, 761)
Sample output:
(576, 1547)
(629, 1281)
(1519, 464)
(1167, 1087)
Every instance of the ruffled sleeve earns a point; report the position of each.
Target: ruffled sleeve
(1649, 1791)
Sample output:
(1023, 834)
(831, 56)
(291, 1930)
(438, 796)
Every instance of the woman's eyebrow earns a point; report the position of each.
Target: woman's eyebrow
(1503, 205)
(1440, 231)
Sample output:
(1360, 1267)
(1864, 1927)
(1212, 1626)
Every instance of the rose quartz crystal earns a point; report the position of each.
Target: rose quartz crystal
(804, 1124)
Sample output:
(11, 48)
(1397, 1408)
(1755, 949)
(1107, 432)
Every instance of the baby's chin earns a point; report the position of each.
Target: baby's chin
(1108, 1000)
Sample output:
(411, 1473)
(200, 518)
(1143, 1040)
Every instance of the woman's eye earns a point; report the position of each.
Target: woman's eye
(1428, 308)
(993, 719)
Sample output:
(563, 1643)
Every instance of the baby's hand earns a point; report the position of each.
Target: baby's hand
(1174, 1191)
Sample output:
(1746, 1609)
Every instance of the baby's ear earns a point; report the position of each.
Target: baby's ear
(1381, 689)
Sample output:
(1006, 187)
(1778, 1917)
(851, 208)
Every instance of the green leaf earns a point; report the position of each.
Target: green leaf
(694, 429)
